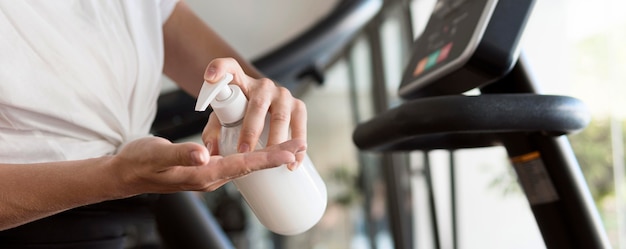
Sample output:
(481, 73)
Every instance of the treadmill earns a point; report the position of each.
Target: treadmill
(474, 45)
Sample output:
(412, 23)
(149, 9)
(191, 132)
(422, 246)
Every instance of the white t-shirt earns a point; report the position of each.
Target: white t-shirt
(78, 78)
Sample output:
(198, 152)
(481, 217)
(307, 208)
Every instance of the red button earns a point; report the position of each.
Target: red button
(445, 51)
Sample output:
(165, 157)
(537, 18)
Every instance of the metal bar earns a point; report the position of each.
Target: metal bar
(365, 174)
(557, 191)
(453, 204)
(551, 178)
(434, 221)
(381, 104)
(185, 222)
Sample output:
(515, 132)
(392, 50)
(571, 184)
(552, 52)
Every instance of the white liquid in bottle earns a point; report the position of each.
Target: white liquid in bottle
(286, 202)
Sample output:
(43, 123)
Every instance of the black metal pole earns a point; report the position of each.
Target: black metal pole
(453, 204)
(185, 222)
(434, 221)
(551, 178)
(400, 222)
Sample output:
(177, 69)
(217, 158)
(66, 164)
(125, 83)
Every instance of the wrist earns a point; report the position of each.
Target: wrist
(118, 184)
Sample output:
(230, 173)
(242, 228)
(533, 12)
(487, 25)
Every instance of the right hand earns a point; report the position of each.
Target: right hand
(156, 165)
(287, 114)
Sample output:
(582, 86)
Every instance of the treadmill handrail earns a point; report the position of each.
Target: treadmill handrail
(319, 44)
(483, 114)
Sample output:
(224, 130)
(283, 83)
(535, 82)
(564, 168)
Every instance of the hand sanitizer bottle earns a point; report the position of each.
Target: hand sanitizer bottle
(286, 202)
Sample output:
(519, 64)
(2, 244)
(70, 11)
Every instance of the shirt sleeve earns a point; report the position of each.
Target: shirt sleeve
(167, 7)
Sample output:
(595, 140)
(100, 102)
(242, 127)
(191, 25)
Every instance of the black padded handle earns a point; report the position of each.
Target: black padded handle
(309, 53)
(446, 120)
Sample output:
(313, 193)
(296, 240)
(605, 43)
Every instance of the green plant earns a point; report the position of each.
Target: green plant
(592, 147)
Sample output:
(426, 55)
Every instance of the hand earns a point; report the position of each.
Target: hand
(264, 96)
(155, 165)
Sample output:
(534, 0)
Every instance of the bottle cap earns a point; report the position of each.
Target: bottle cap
(209, 92)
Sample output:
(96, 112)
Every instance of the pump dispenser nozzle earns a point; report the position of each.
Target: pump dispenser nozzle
(228, 102)
(209, 92)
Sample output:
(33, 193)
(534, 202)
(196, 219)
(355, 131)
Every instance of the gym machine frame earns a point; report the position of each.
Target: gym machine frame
(532, 128)
(509, 112)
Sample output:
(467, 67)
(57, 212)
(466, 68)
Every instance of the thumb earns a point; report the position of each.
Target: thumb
(182, 154)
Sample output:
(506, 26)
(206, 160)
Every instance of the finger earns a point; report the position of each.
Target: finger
(211, 133)
(292, 145)
(298, 129)
(241, 164)
(217, 184)
(298, 120)
(217, 68)
(256, 112)
(183, 154)
(280, 117)
(297, 146)
(220, 169)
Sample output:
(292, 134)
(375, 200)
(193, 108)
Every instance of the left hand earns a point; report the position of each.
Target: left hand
(156, 165)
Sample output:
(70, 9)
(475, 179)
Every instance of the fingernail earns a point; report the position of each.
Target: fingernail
(198, 157)
(210, 73)
(292, 166)
(243, 148)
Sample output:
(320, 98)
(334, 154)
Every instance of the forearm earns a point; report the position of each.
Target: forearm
(189, 47)
(33, 191)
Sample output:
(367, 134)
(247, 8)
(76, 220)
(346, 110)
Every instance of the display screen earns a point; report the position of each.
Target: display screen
(452, 34)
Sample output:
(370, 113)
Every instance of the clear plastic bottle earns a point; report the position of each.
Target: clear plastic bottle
(286, 202)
